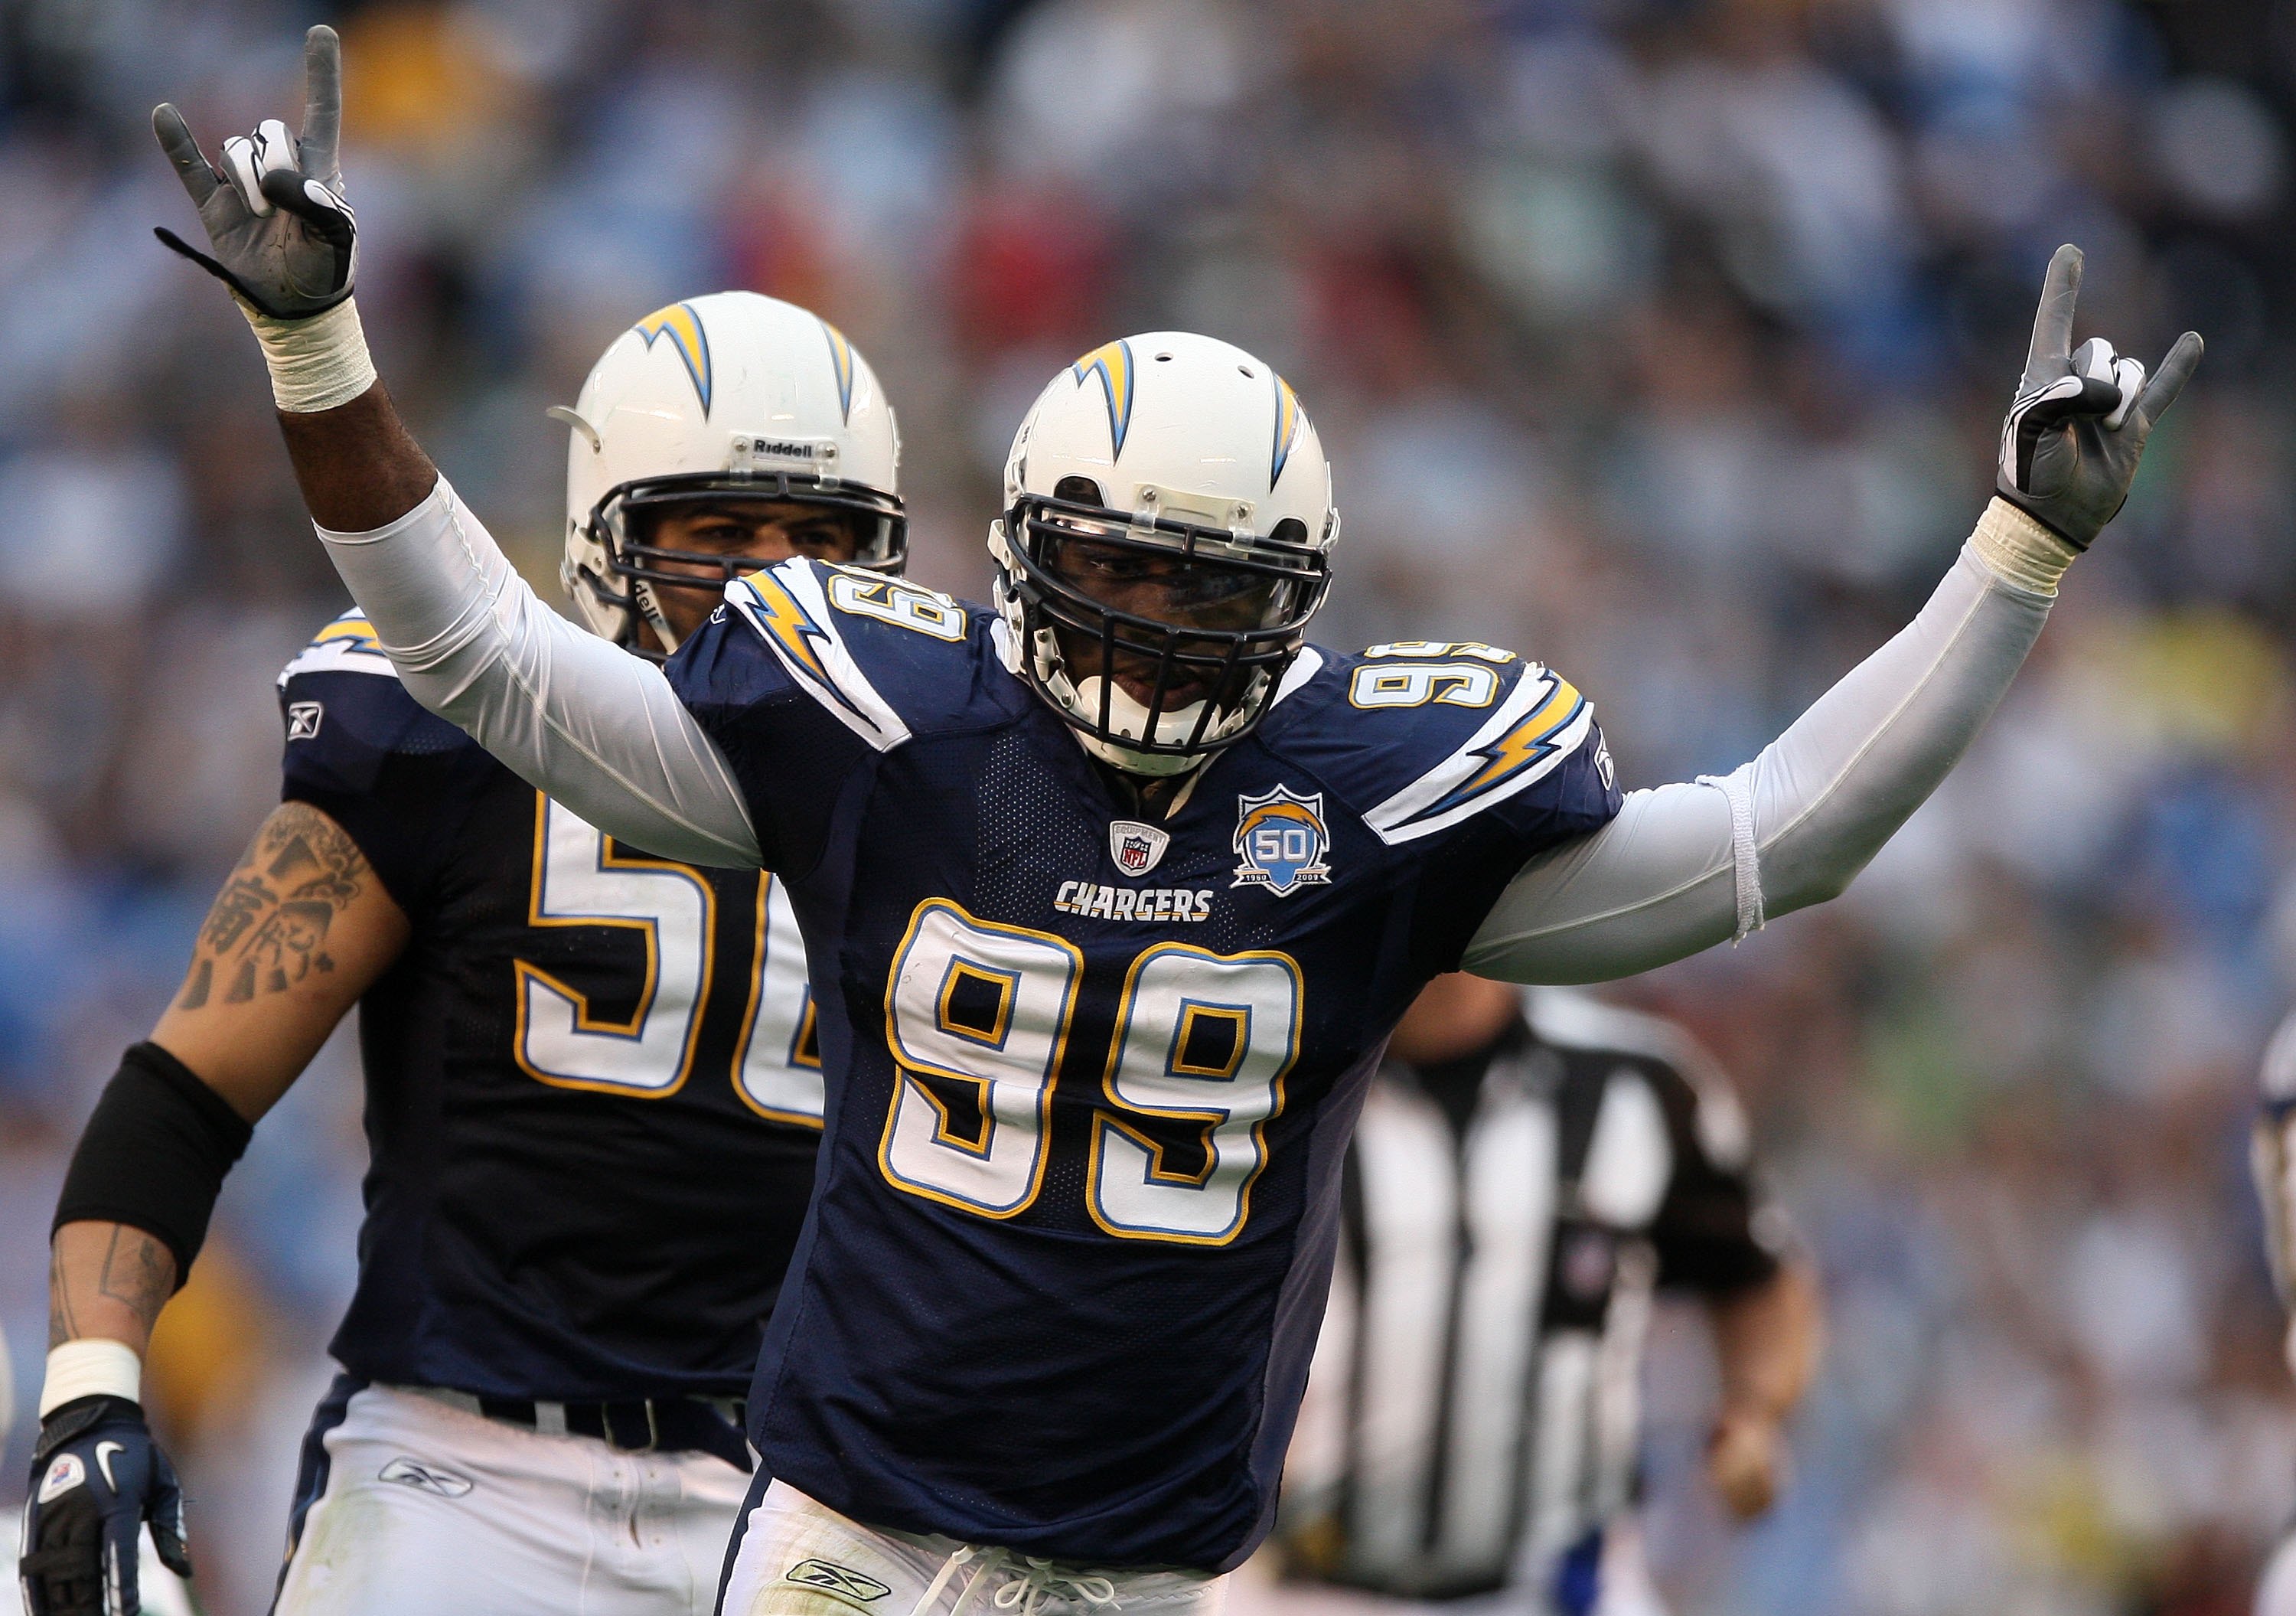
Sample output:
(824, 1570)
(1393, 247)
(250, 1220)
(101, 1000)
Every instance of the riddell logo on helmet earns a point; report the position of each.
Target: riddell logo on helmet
(746, 449)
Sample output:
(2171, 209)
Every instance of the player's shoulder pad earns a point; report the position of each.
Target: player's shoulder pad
(1574, 1021)
(888, 658)
(340, 690)
(1420, 734)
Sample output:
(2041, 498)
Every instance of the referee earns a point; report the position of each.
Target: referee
(1531, 1167)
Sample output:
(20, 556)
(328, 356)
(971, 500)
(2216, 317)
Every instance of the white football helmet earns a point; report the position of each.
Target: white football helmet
(1183, 461)
(727, 396)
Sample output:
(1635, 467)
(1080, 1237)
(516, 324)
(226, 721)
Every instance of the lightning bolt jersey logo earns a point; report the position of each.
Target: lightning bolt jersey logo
(799, 640)
(1543, 719)
(786, 606)
(346, 646)
(683, 327)
(1530, 742)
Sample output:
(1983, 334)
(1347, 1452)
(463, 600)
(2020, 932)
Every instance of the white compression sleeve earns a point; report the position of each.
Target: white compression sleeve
(597, 728)
(1685, 867)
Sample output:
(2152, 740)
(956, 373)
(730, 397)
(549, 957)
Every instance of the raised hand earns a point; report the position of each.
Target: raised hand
(283, 237)
(2077, 429)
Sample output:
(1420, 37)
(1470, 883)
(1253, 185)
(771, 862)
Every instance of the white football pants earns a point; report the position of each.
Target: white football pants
(799, 1558)
(423, 1509)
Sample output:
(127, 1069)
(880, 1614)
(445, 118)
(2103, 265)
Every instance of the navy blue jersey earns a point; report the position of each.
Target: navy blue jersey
(593, 1096)
(1091, 1072)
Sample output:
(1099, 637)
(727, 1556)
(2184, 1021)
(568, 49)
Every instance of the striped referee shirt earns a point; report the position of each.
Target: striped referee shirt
(1471, 1413)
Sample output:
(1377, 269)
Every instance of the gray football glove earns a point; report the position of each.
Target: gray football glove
(283, 238)
(2073, 437)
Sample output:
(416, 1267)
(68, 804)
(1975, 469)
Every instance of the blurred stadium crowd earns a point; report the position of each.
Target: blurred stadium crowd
(1662, 340)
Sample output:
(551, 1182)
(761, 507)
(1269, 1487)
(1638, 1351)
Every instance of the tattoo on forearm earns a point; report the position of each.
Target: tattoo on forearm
(267, 929)
(136, 1272)
(139, 1271)
(62, 1325)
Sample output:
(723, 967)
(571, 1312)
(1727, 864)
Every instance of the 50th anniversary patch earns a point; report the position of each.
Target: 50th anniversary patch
(1282, 841)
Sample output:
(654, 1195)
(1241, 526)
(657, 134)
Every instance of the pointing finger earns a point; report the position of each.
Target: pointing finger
(2169, 380)
(2051, 354)
(191, 166)
(323, 103)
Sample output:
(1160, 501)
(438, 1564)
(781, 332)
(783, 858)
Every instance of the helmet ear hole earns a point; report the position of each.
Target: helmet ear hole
(1080, 490)
(1290, 530)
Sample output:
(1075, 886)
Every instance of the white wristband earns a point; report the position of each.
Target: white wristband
(2019, 551)
(316, 363)
(91, 1366)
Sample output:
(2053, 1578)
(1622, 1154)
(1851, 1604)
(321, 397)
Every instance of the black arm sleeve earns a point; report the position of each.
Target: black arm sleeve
(154, 1153)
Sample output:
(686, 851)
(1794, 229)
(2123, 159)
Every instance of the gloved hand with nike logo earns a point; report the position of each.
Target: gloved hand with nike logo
(281, 237)
(284, 239)
(97, 1476)
(2074, 434)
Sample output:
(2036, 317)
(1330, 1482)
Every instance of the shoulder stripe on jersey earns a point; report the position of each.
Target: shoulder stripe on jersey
(1543, 720)
(785, 605)
(346, 646)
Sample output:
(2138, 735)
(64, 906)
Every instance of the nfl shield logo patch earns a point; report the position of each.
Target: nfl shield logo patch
(1281, 839)
(1135, 847)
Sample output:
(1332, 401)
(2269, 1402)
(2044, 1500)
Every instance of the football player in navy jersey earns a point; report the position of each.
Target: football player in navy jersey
(1110, 892)
(593, 1090)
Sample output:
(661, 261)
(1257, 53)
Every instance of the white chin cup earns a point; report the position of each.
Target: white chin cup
(1129, 719)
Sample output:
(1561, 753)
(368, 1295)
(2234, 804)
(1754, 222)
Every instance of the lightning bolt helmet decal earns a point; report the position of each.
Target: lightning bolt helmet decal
(683, 327)
(1287, 428)
(840, 359)
(1112, 363)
